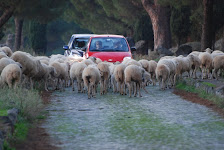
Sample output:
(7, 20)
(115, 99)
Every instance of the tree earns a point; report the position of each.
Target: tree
(160, 18)
(38, 37)
(180, 22)
(207, 27)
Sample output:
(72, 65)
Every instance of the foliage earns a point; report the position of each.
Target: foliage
(21, 129)
(27, 101)
(180, 22)
(143, 29)
(38, 37)
(182, 85)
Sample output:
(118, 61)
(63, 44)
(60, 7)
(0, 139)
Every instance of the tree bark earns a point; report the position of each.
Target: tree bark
(160, 18)
(206, 37)
(8, 12)
(18, 34)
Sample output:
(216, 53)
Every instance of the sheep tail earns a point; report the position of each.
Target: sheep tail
(88, 78)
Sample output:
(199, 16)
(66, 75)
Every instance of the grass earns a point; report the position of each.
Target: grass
(21, 129)
(3, 112)
(182, 85)
(27, 101)
(209, 84)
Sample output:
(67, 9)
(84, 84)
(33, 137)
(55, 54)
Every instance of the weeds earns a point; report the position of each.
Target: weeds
(27, 101)
(182, 85)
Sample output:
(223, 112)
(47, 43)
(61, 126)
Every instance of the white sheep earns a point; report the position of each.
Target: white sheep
(61, 74)
(196, 62)
(172, 65)
(206, 64)
(152, 70)
(11, 75)
(119, 77)
(105, 74)
(144, 63)
(30, 66)
(6, 61)
(134, 74)
(88, 62)
(2, 55)
(218, 64)
(6, 50)
(162, 75)
(76, 73)
(91, 78)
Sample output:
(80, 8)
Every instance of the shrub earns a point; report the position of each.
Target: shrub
(27, 101)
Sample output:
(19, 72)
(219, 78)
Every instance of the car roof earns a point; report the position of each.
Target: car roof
(82, 35)
(107, 35)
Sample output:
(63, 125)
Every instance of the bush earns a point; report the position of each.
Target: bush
(27, 101)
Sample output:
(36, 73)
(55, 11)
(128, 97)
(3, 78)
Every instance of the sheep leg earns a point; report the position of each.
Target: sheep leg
(122, 88)
(101, 87)
(89, 91)
(31, 83)
(45, 83)
(136, 89)
(73, 88)
(129, 88)
(139, 89)
(105, 86)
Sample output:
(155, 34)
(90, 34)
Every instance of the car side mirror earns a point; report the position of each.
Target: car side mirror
(133, 49)
(65, 47)
(83, 49)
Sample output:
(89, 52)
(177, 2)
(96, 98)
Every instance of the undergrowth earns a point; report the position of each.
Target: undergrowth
(182, 85)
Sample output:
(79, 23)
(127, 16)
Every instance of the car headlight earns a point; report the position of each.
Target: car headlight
(126, 58)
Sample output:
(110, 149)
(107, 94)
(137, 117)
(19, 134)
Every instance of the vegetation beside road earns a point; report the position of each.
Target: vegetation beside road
(182, 85)
(30, 105)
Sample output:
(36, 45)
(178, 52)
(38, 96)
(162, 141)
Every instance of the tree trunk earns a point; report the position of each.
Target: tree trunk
(160, 18)
(6, 15)
(18, 34)
(206, 37)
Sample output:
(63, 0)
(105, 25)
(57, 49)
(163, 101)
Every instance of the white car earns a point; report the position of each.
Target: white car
(76, 44)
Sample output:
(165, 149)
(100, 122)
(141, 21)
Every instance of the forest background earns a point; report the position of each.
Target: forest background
(47, 25)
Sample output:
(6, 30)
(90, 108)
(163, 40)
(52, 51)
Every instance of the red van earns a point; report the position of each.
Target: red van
(109, 48)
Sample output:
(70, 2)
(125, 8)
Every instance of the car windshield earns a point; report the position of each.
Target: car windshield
(108, 44)
(79, 43)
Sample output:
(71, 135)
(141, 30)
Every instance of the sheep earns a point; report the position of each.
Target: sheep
(6, 61)
(92, 58)
(2, 55)
(119, 77)
(91, 78)
(133, 62)
(136, 74)
(152, 70)
(76, 71)
(144, 63)
(216, 53)
(88, 62)
(98, 60)
(162, 75)
(196, 62)
(218, 64)
(6, 50)
(30, 66)
(206, 64)
(172, 69)
(11, 75)
(61, 73)
(105, 74)
(45, 72)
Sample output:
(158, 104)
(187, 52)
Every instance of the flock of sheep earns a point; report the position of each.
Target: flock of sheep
(58, 71)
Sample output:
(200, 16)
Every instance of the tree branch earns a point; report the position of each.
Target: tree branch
(6, 15)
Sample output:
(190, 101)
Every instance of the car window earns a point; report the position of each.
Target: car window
(108, 44)
(79, 43)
